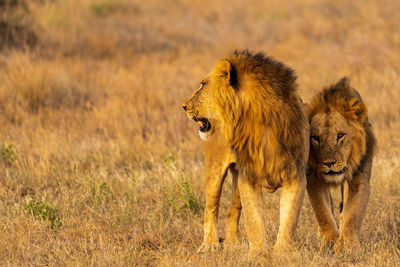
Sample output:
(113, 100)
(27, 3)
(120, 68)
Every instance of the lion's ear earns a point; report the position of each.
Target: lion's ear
(356, 110)
(225, 70)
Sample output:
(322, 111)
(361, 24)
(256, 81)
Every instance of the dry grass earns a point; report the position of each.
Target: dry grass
(92, 126)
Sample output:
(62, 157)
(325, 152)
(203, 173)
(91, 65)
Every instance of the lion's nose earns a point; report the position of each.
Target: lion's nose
(184, 107)
(329, 163)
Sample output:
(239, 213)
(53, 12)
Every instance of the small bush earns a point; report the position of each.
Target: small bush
(105, 190)
(189, 198)
(100, 193)
(183, 197)
(43, 211)
(7, 154)
(169, 161)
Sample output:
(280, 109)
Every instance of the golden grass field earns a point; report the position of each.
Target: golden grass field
(100, 165)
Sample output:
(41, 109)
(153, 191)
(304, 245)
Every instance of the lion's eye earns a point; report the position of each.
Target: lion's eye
(315, 138)
(201, 85)
(340, 136)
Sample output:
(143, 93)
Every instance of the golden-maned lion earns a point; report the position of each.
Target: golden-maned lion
(342, 146)
(253, 122)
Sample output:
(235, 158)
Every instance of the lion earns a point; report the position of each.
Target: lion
(253, 123)
(341, 151)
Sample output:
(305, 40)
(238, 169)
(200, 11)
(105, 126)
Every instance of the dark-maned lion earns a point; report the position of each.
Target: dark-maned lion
(342, 146)
(253, 122)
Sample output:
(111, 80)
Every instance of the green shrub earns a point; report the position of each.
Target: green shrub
(43, 211)
(7, 154)
(101, 193)
(169, 161)
(189, 198)
(183, 197)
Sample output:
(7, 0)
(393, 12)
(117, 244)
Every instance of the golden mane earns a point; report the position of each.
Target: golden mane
(260, 112)
(343, 98)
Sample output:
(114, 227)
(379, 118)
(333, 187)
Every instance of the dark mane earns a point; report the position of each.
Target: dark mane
(278, 76)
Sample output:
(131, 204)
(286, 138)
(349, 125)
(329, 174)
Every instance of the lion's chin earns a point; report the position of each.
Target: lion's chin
(333, 177)
(205, 136)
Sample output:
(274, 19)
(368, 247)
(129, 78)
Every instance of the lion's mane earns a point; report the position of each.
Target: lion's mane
(261, 114)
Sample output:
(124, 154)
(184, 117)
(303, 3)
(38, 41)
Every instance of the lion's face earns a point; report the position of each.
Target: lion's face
(338, 139)
(331, 143)
(211, 105)
(199, 107)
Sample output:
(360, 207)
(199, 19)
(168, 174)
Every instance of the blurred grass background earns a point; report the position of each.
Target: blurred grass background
(93, 136)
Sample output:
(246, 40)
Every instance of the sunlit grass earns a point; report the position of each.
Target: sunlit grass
(92, 128)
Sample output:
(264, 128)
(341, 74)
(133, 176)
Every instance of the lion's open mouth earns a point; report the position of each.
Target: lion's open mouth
(335, 173)
(205, 125)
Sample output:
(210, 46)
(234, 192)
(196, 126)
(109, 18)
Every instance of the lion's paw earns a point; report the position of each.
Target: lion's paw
(346, 246)
(209, 247)
(232, 239)
(283, 247)
(255, 252)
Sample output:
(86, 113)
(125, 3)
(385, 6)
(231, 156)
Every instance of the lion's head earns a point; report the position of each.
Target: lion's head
(200, 108)
(252, 101)
(204, 106)
(338, 130)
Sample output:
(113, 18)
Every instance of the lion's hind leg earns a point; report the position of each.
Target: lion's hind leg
(252, 201)
(235, 208)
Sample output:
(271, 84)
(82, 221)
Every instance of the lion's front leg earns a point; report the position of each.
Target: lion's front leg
(354, 208)
(251, 197)
(291, 200)
(234, 211)
(217, 161)
(214, 181)
(320, 198)
(353, 214)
